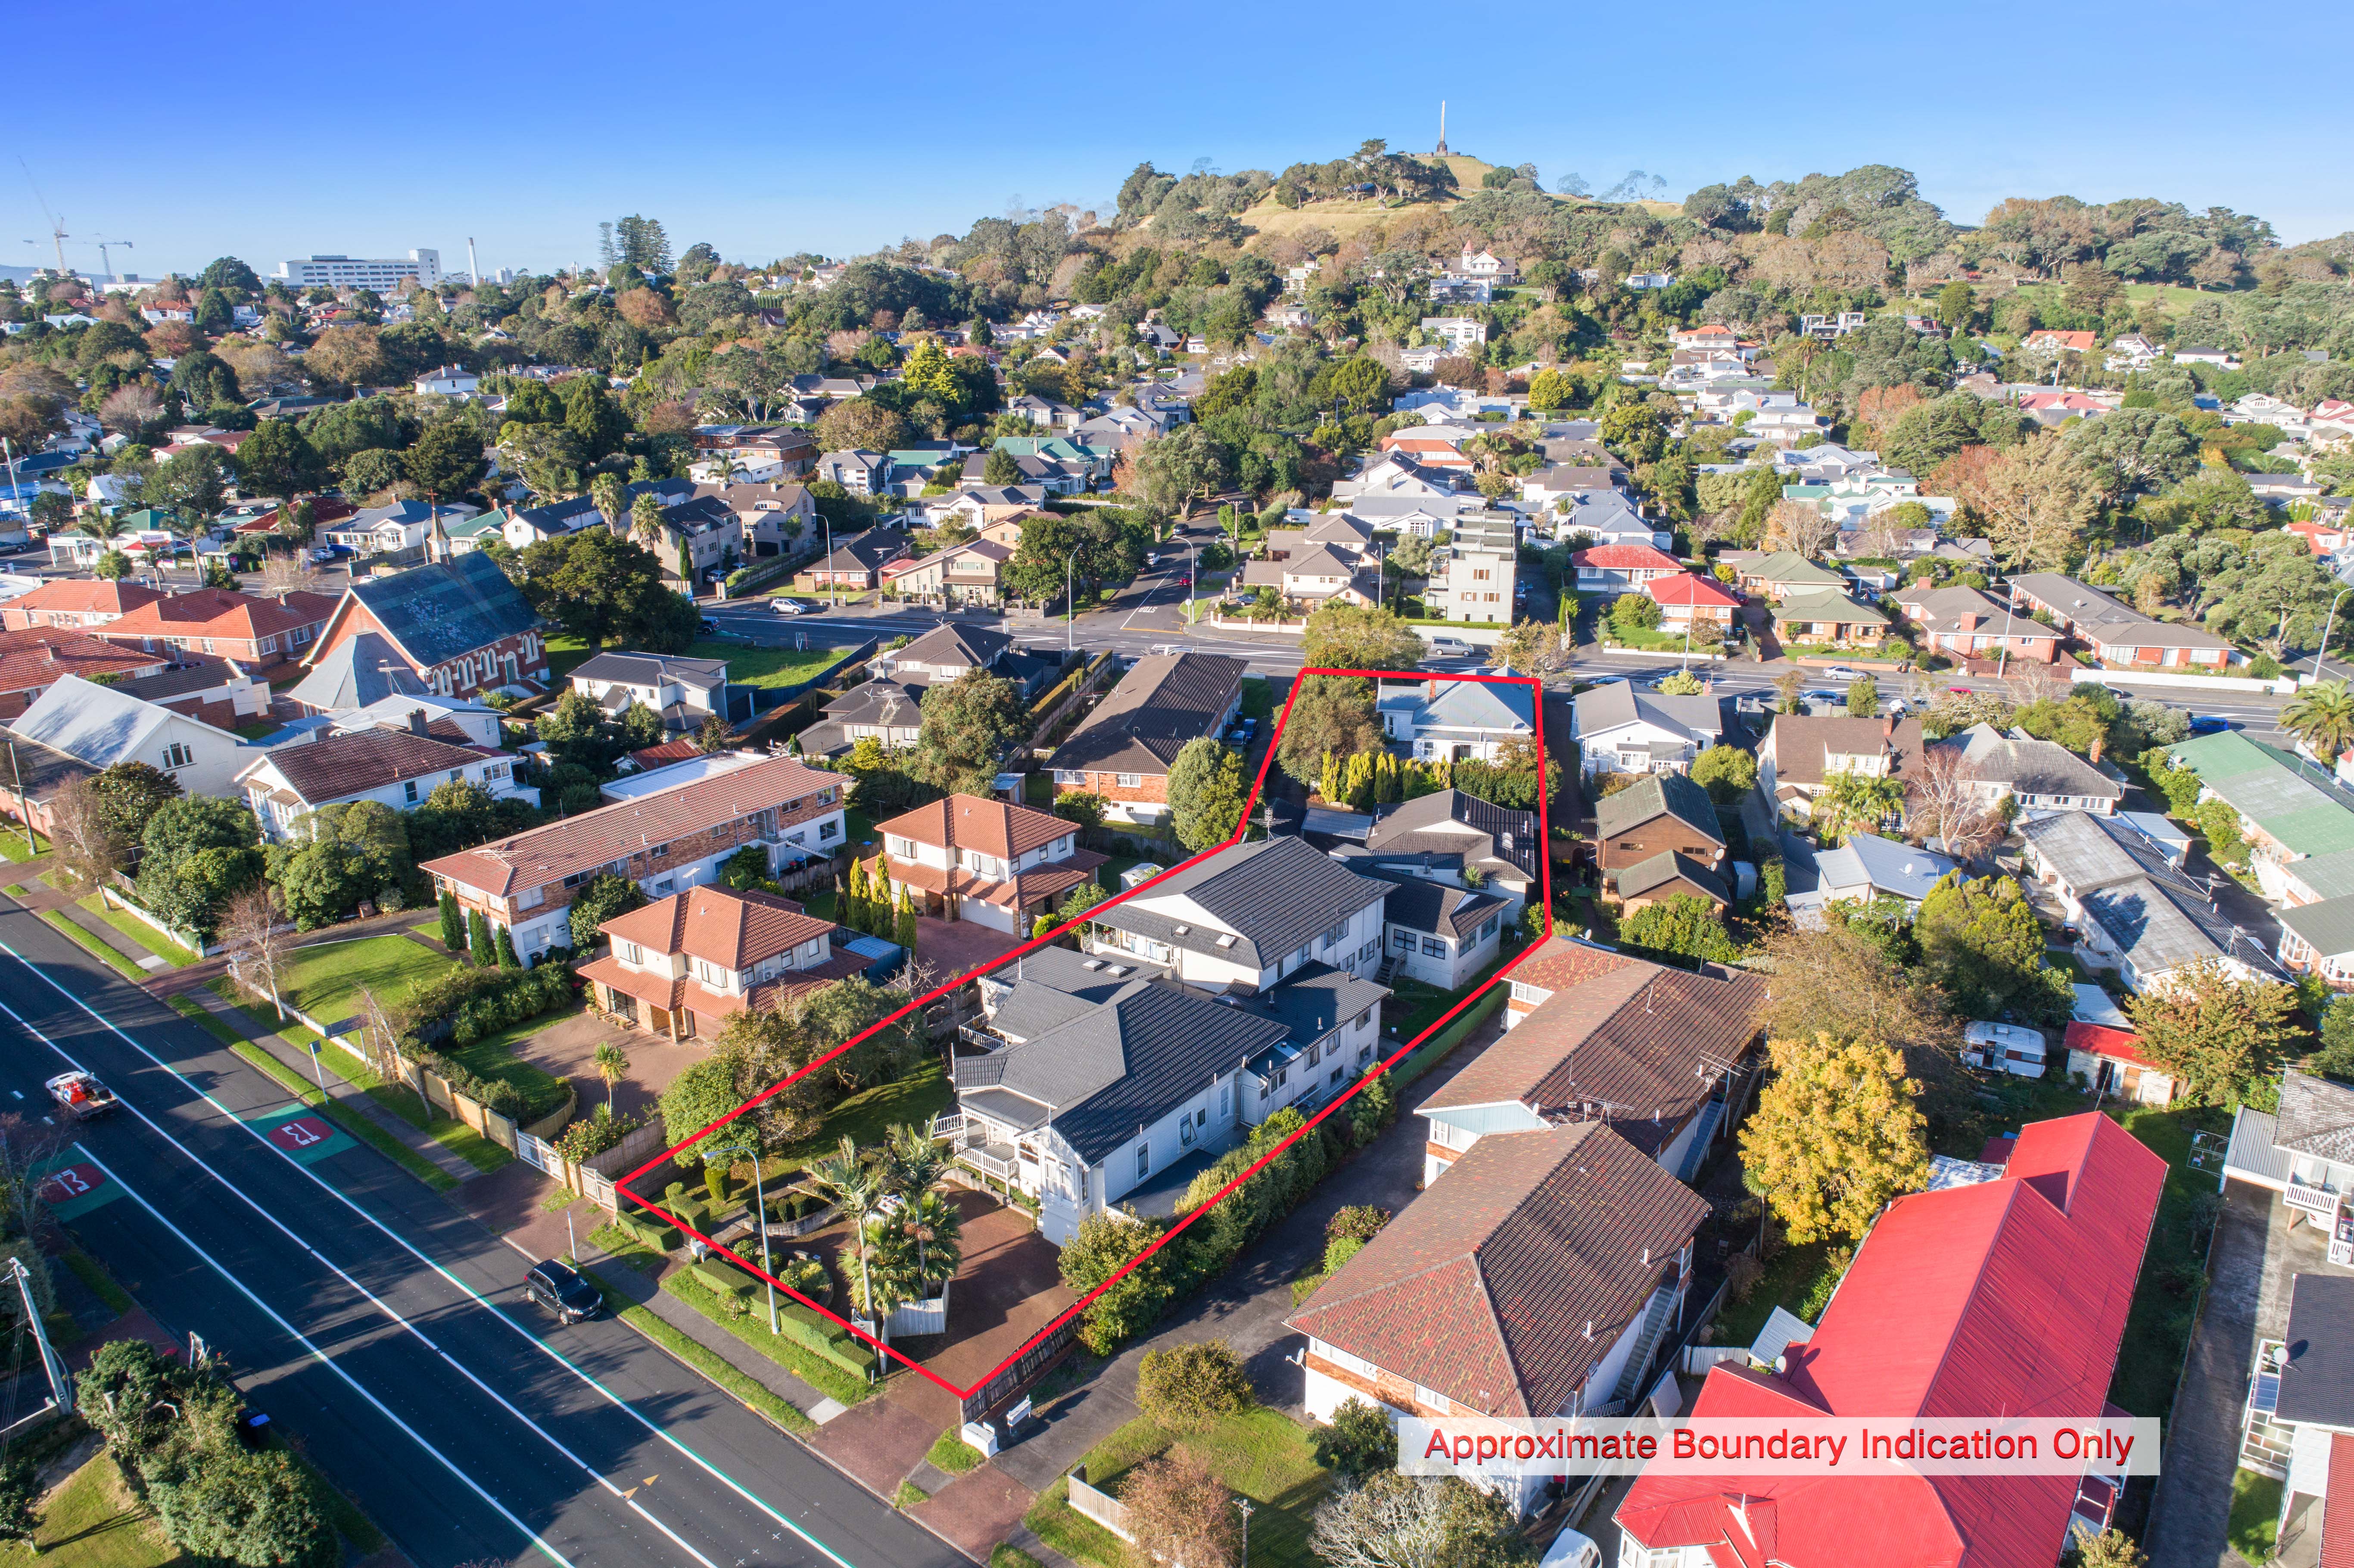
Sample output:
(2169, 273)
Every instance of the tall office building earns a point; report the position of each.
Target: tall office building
(422, 267)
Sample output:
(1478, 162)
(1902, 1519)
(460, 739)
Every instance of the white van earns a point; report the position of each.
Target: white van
(2004, 1047)
(1571, 1550)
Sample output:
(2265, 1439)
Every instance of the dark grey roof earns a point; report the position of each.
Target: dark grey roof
(443, 610)
(361, 669)
(41, 771)
(952, 645)
(1274, 896)
(869, 550)
(1124, 1064)
(1449, 821)
(2316, 1116)
(2031, 766)
(2088, 851)
(1314, 999)
(1434, 907)
(2161, 928)
(879, 702)
(1655, 795)
(2317, 1366)
(653, 669)
(1669, 866)
(1164, 701)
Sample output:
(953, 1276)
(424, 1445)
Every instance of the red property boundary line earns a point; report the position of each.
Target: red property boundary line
(1545, 842)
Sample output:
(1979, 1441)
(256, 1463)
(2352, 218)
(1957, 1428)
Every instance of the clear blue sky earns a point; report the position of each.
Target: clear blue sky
(286, 129)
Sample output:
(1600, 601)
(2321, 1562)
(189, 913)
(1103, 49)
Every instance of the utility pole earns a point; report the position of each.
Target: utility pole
(60, 1385)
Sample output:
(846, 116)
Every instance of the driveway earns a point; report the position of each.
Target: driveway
(955, 946)
(567, 1048)
(1245, 1306)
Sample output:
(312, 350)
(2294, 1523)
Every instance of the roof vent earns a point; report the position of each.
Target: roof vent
(1185, 930)
(1228, 941)
(1093, 964)
(1117, 970)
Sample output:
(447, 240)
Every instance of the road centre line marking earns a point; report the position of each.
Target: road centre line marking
(402, 1242)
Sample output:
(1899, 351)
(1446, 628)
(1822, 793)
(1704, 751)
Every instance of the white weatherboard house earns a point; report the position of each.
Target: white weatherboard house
(397, 764)
(1621, 730)
(1456, 721)
(102, 726)
(1139, 1087)
(1250, 915)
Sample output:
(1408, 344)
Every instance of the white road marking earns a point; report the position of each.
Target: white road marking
(319, 1355)
(402, 1242)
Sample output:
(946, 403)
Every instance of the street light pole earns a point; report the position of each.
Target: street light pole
(1243, 1506)
(1070, 598)
(2327, 621)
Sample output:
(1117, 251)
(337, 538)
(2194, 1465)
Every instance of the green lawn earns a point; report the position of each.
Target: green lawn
(566, 653)
(492, 1056)
(1258, 698)
(865, 1116)
(2173, 1269)
(93, 1521)
(2255, 1514)
(1263, 1455)
(257, 730)
(749, 666)
(12, 844)
(754, 1396)
(324, 981)
(953, 1454)
(1433, 1051)
(138, 931)
(752, 1328)
(1798, 1280)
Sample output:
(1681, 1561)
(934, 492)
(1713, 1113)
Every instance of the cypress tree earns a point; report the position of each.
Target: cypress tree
(478, 939)
(453, 923)
(905, 926)
(508, 957)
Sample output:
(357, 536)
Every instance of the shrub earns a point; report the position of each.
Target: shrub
(1361, 1221)
(1358, 1443)
(1191, 1385)
(809, 1277)
(591, 1136)
(724, 1280)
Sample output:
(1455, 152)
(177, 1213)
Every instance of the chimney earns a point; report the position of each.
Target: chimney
(1888, 727)
(417, 721)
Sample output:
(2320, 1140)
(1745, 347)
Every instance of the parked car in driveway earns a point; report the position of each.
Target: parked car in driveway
(1449, 648)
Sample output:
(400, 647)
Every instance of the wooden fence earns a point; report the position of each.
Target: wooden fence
(1100, 1506)
(1018, 1375)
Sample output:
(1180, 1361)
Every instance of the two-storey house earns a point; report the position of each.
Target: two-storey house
(684, 691)
(255, 631)
(889, 714)
(75, 604)
(1244, 918)
(1123, 750)
(1801, 752)
(1659, 814)
(1448, 836)
(692, 817)
(683, 965)
(1659, 1054)
(988, 862)
(1539, 1280)
(969, 575)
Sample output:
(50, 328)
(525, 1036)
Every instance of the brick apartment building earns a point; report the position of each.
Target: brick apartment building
(256, 632)
(76, 603)
(668, 839)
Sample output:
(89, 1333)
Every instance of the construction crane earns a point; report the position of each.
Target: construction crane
(105, 264)
(56, 225)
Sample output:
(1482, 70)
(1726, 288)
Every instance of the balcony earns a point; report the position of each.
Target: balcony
(2319, 1199)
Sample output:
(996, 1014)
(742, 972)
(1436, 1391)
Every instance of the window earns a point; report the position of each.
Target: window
(633, 953)
(1337, 934)
(1433, 947)
(657, 851)
(1371, 950)
(904, 848)
(1065, 775)
(1315, 1055)
(1488, 927)
(1405, 940)
(1225, 1098)
(408, 791)
(269, 645)
(1131, 781)
(177, 755)
(1144, 1160)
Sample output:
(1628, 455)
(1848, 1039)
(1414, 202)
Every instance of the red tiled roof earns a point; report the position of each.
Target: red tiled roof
(720, 926)
(2100, 1040)
(970, 822)
(222, 612)
(1621, 557)
(1688, 588)
(669, 751)
(1484, 1288)
(2002, 1297)
(77, 594)
(36, 656)
(585, 844)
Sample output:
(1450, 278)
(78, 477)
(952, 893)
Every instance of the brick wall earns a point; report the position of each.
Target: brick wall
(1150, 789)
(1648, 839)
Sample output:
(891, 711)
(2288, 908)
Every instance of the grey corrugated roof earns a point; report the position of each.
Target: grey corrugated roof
(1654, 795)
(1274, 896)
(2157, 926)
(445, 608)
(2328, 926)
(1448, 822)
(2088, 851)
(1124, 1064)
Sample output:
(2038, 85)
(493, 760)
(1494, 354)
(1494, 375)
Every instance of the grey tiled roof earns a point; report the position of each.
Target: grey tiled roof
(1670, 865)
(1451, 823)
(1655, 795)
(1274, 896)
(1164, 701)
(2316, 1116)
(445, 608)
(653, 669)
(1437, 909)
(1125, 1064)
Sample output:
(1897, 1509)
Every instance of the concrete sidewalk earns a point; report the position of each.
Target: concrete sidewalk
(643, 1290)
(358, 1101)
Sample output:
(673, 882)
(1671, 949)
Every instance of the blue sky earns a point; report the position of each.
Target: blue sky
(836, 128)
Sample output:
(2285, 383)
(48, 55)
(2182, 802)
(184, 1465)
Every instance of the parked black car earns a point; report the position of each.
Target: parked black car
(562, 1291)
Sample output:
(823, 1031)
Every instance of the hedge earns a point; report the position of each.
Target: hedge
(654, 1234)
(723, 1280)
(815, 1332)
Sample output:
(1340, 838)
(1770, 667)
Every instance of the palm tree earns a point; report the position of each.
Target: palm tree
(932, 1223)
(858, 1187)
(2322, 716)
(605, 490)
(612, 1065)
(646, 521)
(1853, 802)
(913, 1163)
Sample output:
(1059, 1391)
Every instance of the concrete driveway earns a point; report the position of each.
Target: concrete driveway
(567, 1048)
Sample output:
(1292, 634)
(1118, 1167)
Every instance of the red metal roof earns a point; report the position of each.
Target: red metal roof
(2099, 1039)
(1686, 588)
(1625, 555)
(2003, 1297)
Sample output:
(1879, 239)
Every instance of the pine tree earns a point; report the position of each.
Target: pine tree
(508, 957)
(453, 923)
(478, 939)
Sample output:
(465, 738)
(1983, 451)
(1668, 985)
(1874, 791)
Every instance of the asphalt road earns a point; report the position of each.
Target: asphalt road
(384, 1332)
